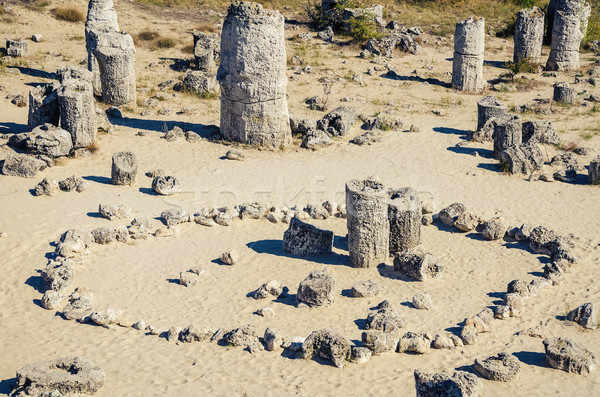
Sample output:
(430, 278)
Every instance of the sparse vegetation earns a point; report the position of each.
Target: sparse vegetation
(148, 35)
(364, 28)
(521, 66)
(207, 27)
(164, 42)
(188, 49)
(68, 13)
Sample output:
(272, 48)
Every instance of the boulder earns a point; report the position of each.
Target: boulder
(114, 211)
(359, 355)
(73, 183)
(190, 277)
(270, 288)
(124, 168)
(418, 265)
(329, 345)
(380, 342)
(166, 185)
(569, 356)
(301, 126)
(489, 107)
(494, 230)
(585, 315)
(450, 214)
(104, 235)
(313, 139)
(413, 343)
(467, 221)
(22, 166)
(195, 333)
(107, 317)
(174, 217)
(522, 159)
(273, 339)
(365, 289)
(540, 132)
(303, 239)
(245, 336)
(317, 289)
(386, 319)
(47, 187)
(43, 106)
(502, 367)
(422, 301)
(200, 83)
(230, 257)
(460, 384)
(52, 299)
(339, 121)
(58, 275)
(79, 306)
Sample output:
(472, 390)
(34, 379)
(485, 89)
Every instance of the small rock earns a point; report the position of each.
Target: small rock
(230, 257)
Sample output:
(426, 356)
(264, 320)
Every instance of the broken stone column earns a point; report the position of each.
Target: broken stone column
(594, 171)
(529, 35)
(43, 106)
(16, 48)
(568, 30)
(124, 168)
(115, 54)
(564, 93)
(508, 131)
(487, 108)
(101, 16)
(367, 220)
(404, 213)
(467, 65)
(78, 112)
(206, 51)
(253, 77)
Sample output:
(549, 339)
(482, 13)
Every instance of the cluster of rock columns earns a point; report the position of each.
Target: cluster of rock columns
(467, 65)
(568, 30)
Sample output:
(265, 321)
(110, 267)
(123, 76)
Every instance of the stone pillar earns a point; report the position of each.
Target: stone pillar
(69, 73)
(467, 65)
(550, 20)
(124, 168)
(508, 131)
(115, 54)
(529, 35)
(404, 213)
(78, 112)
(487, 108)
(568, 31)
(368, 225)
(101, 16)
(16, 48)
(564, 93)
(594, 171)
(205, 51)
(253, 77)
(43, 106)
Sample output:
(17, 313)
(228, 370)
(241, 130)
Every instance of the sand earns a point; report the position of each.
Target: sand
(139, 278)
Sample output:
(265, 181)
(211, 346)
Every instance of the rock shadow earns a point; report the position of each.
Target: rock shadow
(471, 151)
(495, 64)
(98, 179)
(452, 131)
(37, 283)
(37, 73)
(392, 75)
(7, 127)
(7, 385)
(532, 358)
(275, 247)
(203, 130)
(389, 272)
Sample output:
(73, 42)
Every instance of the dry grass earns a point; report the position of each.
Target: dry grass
(68, 13)
(148, 35)
(188, 49)
(207, 27)
(93, 148)
(164, 42)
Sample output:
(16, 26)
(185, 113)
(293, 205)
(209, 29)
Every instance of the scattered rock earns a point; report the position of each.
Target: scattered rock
(166, 185)
(47, 187)
(273, 339)
(22, 166)
(114, 211)
(413, 343)
(303, 239)
(503, 367)
(585, 315)
(450, 214)
(317, 289)
(328, 345)
(235, 155)
(230, 257)
(365, 289)
(418, 265)
(190, 277)
(422, 302)
(569, 356)
(272, 288)
(461, 384)
(494, 230)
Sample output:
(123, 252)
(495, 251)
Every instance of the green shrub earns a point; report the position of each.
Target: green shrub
(521, 66)
(68, 13)
(364, 28)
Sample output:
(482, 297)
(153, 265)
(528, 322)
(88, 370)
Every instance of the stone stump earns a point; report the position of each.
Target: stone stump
(367, 220)
(16, 48)
(594, 171)
(529, 35)
(487, 108)
(124, 168)
(78, 112)
(564, 93)
(101, 16)
(253, 77)
(404, 213)
(508, 131)
(115, 54)
(467, 65)
(568, 30)
(43, 106)
(206, 51)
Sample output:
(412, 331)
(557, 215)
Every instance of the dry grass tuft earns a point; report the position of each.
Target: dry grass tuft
(148, 35)
(68, 13)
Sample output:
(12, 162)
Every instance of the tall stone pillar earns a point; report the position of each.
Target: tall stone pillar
(529, 35)
(469, 45)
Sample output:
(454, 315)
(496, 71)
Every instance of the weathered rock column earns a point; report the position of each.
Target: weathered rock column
(487, 108)
(78, 112)
(115, 54)
(594, 171)
(529, 35)
(253, 77)
(508, 131)
(43, 106)
(564, 93)
(568, 30)
(101, 16)
(367, 221)
(124, 168)
(404, 213)
(467, 65)
(205, 51)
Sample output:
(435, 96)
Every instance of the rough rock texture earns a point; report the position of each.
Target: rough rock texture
(339, 121)
(380, 342)
(422, 301)
(173, 217)
(494, 230)
(564, 93)
(49, 140)
(503, 367)
(253, 78)
(16, 48)
(78, 112)
(304, 239)
(166, 185)
(327, 344)
(200, 83)
(114, 211)
(273, 339)
(47, 187)
(568, 30)
(69, 74)
(368, 226)
(585, 315)
(230, 257)
(467, 65)
(314, 139)
(467, 221)
(104, 235)
(317, 289)
(79, 306)
(364, 289)
(302, 125)
(522, 159)
(413, 343)
(540, 132)
(22, 166)
(73, 183)
(569, 356)
(245, 336)
(418, 265)
(404, 214)
(124, 168)
(206, 51)
(386, 319)
(460, 384)
(115, 54)
(270, 288)
(508, 131)
(450, 214)
(529, 35)
(43, 106)
(489, 107)
(594, 171)
(67, 375)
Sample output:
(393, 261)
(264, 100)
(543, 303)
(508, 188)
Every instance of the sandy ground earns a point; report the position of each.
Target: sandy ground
(138, 277)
